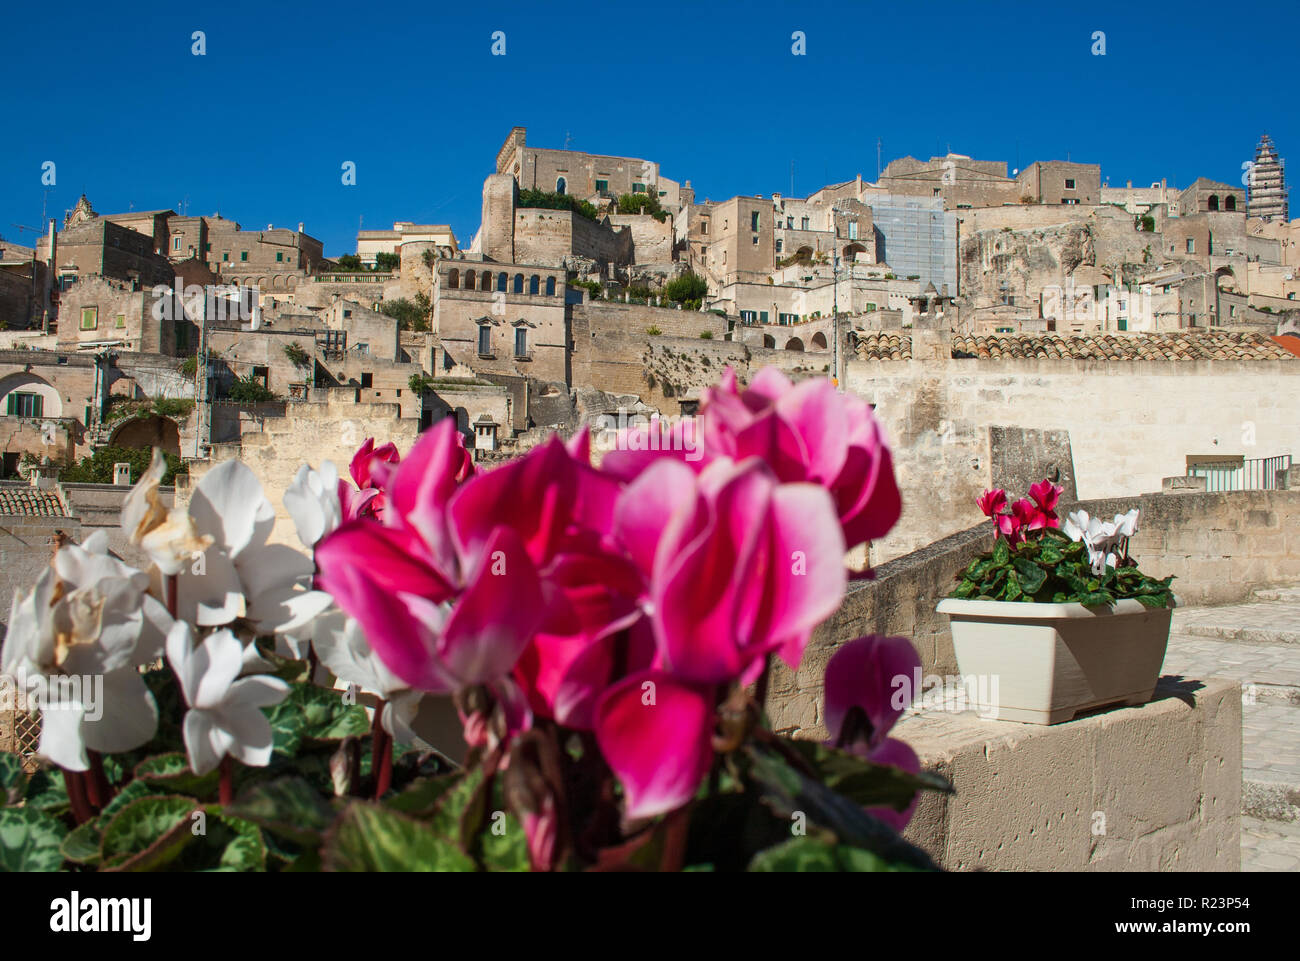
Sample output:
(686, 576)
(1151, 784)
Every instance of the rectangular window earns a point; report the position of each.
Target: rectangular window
(789, 223)
(753, 220)
(89, 318)
(762, 316)
(803, 223)
(778, 246)
(262, 374)
(279, 256)
(225, 255)
(120, 322)
(26, 405)
(602, 186)
(521, 342)
(243, 255)
(749, 316)
(755, 239)
(1069, 184)
(787, 319)
(853, 230)
(638, 188)
(207, 248)
(176, 243)
(1191, 245)
(704, 226)
(367, 380)
(485, 339)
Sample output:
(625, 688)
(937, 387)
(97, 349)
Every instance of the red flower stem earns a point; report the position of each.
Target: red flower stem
(227, 788)
(101, 791)
(76, 787)
(381, 753)
(169, 594)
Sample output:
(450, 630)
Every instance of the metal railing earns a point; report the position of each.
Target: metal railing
(1258, 474)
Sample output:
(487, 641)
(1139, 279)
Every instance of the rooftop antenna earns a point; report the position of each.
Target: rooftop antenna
(791, 178)
(879, 144)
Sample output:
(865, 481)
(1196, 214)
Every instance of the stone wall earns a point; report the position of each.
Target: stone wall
(1151, 788)
(550, 237)
(1131, 423)
(308, 433)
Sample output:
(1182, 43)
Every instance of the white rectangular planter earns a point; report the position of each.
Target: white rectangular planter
(1052, 661)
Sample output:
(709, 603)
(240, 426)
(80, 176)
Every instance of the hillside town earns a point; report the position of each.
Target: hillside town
(1006, 325)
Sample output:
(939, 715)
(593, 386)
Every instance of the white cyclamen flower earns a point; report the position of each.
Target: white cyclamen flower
(313, 502)
(224, 715)
(78, 640)
(1126, 525)
(413, 717)
(240, 574)
(167, 536)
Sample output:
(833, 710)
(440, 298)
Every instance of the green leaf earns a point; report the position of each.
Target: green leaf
(312, 712)
(965, 589)
(245, 851)
(172, 775)
(1050, 554)
(787, 791)
(503, 845)
(1032, 577)
(81, 845)
(29, 840)
(370, 837)
(13, 779)
(1097, 599)
(1013, 589)
(287, 807)
(132, 792)
(422, 795)
(1152, 600)
(46, 791)
(818, 854)
(864, 782)
(148, 834)
(1001, 553)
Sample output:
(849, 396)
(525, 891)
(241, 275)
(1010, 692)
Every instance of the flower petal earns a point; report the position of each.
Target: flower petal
(655, 732)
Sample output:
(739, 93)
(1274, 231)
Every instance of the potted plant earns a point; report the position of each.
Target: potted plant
(1059, 615)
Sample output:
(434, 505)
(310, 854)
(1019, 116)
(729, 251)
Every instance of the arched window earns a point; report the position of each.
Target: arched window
(469, 280)
(550, 286)
(1214, 201)
(519, 283)
(503, 281)
(453, 278)
(534, 284)
(485, 282)
(561, 185)
(1230, 202)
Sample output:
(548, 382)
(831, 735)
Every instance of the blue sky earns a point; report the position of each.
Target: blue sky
(259, 127)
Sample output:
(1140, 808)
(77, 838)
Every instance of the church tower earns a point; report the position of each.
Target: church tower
(1267, 184)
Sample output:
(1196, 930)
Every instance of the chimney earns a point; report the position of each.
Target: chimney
(300, 225)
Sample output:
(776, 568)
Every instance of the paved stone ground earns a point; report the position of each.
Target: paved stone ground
(1258, 644)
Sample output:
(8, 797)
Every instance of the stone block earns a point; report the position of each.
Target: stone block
(1155, 787)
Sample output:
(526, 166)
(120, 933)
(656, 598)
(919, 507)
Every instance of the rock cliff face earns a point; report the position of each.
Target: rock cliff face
(1019, 263)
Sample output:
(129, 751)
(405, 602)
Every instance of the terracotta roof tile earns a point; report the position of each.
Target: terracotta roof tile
(1177, 345)
(27, 501)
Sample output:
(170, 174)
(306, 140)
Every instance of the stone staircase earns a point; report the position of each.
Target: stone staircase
(1258, 644)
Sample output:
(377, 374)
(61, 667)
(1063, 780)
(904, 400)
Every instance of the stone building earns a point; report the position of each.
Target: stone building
(592, 177)
(1267, 181)
(372, 242)
(956, 179)
(1060, 182)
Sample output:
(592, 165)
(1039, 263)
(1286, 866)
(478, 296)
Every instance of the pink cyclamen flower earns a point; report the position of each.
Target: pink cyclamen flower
(1028, 516)
(804, 432)
(1046, 496)
(992, 502)
(1009, 527)
(440, 618)
(738, 564)
(869, 683)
